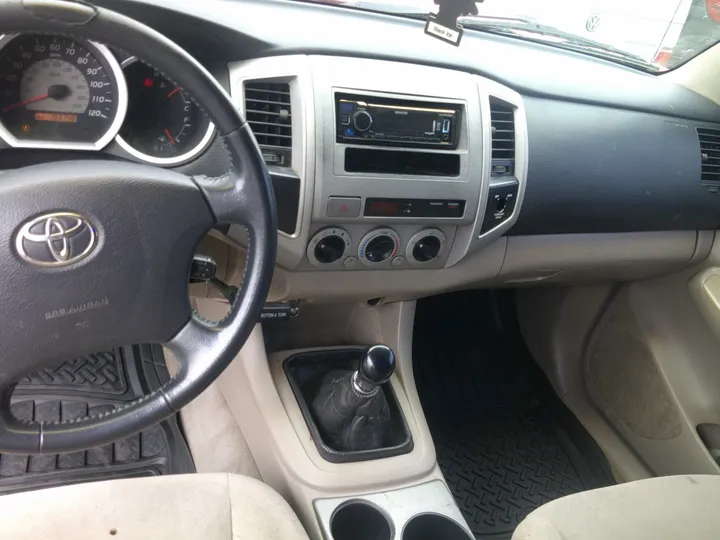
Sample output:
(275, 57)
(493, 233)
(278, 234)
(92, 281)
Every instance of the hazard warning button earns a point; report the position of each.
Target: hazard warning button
(340, 207)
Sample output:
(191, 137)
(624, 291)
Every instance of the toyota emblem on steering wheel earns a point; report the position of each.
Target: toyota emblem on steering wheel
(56, 239)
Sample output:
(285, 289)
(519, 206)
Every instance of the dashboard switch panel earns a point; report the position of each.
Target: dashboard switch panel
(501, 204)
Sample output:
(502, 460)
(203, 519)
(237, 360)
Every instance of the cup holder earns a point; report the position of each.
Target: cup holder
(432, 527)
(357, 520)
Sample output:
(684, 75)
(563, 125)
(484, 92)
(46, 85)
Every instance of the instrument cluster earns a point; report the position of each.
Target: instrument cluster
(61, 93)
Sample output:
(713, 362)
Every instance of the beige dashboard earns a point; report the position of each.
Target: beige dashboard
(472, 255)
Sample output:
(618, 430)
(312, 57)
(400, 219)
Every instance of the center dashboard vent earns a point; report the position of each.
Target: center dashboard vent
(502, 118)
(709, 154)
(267, 107)
(268, 112)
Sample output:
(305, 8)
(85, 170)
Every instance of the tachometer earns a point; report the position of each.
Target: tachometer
(163, 126)
(58, 92)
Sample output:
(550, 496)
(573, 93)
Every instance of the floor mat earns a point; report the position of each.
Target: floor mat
(91, 385)
(504, 441)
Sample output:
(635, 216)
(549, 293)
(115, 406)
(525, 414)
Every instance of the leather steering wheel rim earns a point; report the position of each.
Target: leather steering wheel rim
(242, 196)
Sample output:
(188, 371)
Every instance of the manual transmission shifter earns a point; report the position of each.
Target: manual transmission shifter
(376, 367)
(351, 409)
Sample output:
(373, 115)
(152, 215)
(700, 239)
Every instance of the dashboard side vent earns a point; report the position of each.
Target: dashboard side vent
(267, 108)
(502, 118)
(709, 154)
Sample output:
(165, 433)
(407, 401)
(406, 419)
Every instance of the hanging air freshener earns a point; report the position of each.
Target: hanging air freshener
(444, 25)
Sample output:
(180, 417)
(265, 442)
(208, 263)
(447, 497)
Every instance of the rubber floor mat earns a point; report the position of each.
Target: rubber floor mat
(505, 443)
(87, 386)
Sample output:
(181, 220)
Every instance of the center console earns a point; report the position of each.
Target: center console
(394, 160)
(401, 166)
(396, 176)
(350, 410)
(401, 171)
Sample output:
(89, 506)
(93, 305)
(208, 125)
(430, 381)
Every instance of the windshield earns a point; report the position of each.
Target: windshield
(655, 35)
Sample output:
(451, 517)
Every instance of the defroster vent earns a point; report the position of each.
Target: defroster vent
(267, 107)
(502, 117)
(709, 154)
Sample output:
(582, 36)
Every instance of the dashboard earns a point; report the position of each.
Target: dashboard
(401, 166)
(61, 93)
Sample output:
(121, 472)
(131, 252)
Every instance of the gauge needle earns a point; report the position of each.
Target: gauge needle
(171, 94)
(26, 102)
(167, 132)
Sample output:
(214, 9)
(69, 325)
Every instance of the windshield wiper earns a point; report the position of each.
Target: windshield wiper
(527, 29)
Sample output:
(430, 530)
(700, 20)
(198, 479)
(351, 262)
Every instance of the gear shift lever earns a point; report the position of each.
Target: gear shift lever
(351, 411)
(376, 367)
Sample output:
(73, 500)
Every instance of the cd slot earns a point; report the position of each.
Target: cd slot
(405, 163)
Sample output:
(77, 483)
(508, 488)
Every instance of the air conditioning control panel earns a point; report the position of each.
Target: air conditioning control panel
(354, 247)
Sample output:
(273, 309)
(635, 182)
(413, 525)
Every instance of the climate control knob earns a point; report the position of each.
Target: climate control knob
(328, 246)
(426, 249)
(330, 249)
(425, 246)
(362, 120)
(378, 246)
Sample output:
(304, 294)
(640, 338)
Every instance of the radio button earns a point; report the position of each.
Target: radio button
(345, 119)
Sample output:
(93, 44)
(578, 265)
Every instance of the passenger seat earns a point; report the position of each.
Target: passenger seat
(667, 508)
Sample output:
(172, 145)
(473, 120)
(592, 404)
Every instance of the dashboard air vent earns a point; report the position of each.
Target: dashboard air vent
(709, 154)
(267, 107)
(502, 117)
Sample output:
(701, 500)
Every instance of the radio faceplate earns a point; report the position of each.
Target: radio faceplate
(401, 172)
(382, 121)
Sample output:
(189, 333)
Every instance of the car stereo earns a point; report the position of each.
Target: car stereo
(381, 121)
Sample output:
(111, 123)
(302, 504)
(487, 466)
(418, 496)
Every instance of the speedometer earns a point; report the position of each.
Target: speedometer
(58, 92)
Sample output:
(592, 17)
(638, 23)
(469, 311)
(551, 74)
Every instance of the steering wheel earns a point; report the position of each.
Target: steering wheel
(133, 286)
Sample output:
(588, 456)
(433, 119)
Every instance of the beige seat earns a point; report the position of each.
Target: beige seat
(672, 507)
(193, 507)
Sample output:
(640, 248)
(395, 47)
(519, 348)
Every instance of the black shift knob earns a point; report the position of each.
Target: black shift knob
(377, 365)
